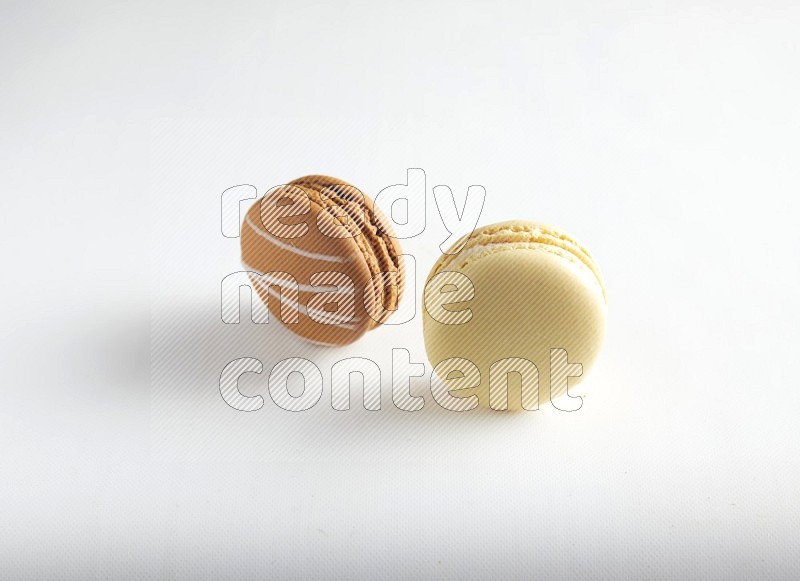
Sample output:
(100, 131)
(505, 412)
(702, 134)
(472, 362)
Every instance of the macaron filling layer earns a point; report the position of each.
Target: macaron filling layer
(367, 230)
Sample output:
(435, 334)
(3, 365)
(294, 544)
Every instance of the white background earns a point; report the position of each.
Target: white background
(663, 135)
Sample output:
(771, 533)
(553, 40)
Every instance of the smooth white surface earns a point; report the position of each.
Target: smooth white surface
(663, 135)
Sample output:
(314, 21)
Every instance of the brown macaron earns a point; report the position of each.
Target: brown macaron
(323, 258)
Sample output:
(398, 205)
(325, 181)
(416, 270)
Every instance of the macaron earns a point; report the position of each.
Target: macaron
(323, 258)
(521, 308)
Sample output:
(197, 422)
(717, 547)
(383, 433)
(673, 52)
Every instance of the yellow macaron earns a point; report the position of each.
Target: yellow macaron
(521, 308)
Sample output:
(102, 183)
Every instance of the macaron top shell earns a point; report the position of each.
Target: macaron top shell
(517, 233)
(535, 289)
(344, 246)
